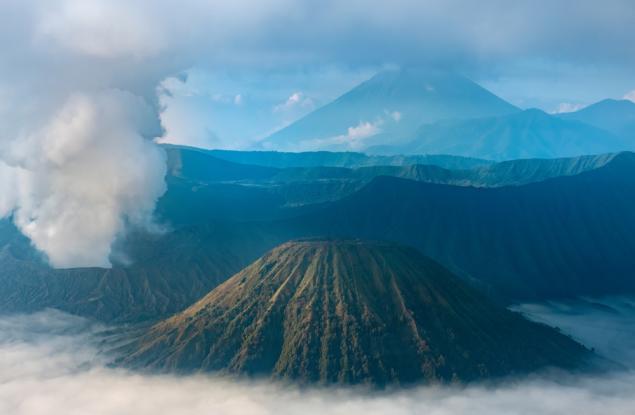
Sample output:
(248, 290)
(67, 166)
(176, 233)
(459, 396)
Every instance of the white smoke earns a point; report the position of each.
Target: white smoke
(77, 180)
(49, 365)
(79, 112)
(77, 157)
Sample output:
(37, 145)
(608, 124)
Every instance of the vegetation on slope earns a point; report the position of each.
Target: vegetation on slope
(346, 311)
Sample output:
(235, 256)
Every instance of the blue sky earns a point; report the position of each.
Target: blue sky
(210, 108)
(236, 109)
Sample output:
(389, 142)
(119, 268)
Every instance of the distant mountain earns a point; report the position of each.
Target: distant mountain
(215, 188)
(525, 171)
(342, 159)
(560, 237)
(351, 312)
(506, 173)
(388, 108)
(527, 134)
(204, 166)
(302, 186)
(616, 116)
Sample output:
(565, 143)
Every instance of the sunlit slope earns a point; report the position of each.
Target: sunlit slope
(346, 311)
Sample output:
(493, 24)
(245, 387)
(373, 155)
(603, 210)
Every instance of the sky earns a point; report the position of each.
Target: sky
(87, 87)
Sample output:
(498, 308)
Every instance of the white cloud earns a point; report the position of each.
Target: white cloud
(363, 130)
(567, 107)
(630, 96)
(102, 29)
(296, 100)
(8, 189)
(396, 116)
(355, 139)
(605, 324)
(49, 365)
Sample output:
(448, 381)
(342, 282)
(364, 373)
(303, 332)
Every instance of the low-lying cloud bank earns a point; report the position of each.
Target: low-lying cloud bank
(605, 324)
(50, 364)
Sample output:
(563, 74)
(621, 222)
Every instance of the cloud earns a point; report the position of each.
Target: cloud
(395, 115)
(296, 100)
(630, 96)
(50, 364)
(605, 324)
(363, 130)
(87, 27)
(564, 107)
(355, 139)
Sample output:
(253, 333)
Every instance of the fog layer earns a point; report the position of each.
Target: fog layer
(50, 364)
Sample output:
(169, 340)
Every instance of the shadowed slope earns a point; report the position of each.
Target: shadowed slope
(528, 134)
(213, 188)
(561, 237)
(616, 116)
(396, 103)
(168, 273)
(351, 312)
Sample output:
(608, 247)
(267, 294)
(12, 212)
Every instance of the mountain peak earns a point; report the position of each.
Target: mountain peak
(351, 311)
(623, 103)
(388, 107)
(614, 115)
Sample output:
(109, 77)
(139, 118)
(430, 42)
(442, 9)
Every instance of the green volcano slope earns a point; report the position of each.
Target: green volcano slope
(348, 312)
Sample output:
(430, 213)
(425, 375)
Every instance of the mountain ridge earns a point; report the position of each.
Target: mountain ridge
(616, 116)
(528, 134)
(509, 238)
